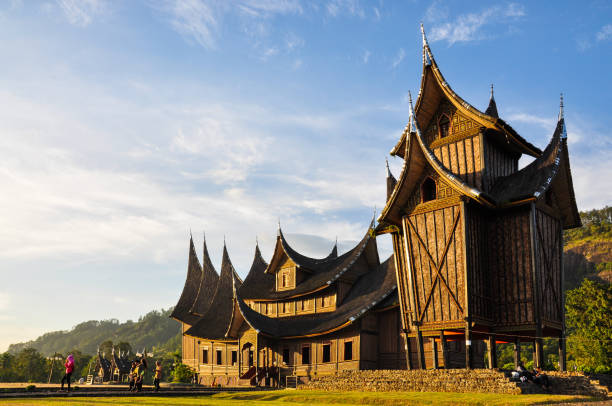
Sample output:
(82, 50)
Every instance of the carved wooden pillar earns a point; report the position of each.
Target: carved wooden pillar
(468, 346)
(562, 358)
(408, 350)
(443, 349)
(491, 351)
(517, 352)
(434, 350)
(420, 348)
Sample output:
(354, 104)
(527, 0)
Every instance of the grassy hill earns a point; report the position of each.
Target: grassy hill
(588, 249)
(155, 329)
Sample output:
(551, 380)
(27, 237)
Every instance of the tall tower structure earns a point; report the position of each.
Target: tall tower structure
(477, 242)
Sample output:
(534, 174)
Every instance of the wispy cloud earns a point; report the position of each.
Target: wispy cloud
(468, 27)
(200, 20)
(605, 33)
(81, 12)
(366, 56)
(336, 8)
(401, 54)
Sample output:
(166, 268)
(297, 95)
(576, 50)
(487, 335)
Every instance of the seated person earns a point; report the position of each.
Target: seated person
(540, 378)
(524, 375)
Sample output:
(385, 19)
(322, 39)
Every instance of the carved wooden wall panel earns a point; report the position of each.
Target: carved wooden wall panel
(498, 163)
(510, 263)
(479, 275)
(548, 262)
(435, 246)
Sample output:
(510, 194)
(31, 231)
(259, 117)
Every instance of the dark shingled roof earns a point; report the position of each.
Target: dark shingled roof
(257, 281)
(370, 289)
(207, 286)
(190, 290)
(321, 273)
(391, 182)
(492, 108)
(535, 178)
(214, 323)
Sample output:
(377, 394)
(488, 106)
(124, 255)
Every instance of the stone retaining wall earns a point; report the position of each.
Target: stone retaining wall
(453, 380)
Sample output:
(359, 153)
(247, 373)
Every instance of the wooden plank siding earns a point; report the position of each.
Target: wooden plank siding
(498, 163)
(463, 158)
(548, 262)
(509, 235)
(482, 304)
(435, 249)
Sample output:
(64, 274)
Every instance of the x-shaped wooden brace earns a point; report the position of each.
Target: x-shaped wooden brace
(549, 265)
(437, 266)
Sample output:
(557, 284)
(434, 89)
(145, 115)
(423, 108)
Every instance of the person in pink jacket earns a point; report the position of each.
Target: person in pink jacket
(69, 368)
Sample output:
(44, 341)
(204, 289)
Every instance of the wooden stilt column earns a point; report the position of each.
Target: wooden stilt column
(517, 352)
(538, 353)
(408, 350)
(468, 346)
(434, 350)
(420, 348)
(491, 351)
(562, 357)
(443, 349)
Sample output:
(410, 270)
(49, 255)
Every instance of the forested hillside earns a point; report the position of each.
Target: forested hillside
(155, 329)
(588, 249)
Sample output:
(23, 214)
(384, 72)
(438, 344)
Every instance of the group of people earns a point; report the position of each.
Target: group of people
(136, 377)
(138, 373)
(536, 376)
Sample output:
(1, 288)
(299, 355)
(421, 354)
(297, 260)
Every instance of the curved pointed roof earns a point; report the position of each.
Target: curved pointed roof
(257, 280)
(207, 286)
(182, 309)
(391, 181)
(321, 273)
(550, 170)
(434, 88)
(492, 107)
(369, 290)
(213, 324)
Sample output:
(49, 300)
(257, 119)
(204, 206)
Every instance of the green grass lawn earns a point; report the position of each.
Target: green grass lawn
(313, 398)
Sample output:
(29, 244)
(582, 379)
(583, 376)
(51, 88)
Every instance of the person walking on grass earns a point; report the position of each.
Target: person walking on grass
(158, 375)
(69, 368)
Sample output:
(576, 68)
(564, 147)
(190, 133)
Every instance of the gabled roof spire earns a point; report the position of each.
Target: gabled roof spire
(388, 170)
(562, 117)
(426, 60)
(492, 108)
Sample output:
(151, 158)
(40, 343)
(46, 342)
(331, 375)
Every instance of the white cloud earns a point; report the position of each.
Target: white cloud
(366, 56)
(467, 27)
(200, 20)
(544, 122)
(336, 8)
(605, 33)
(81, 12)
(401, 54)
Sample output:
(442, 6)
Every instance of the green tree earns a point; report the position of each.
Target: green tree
(106, 348)
(182, 373)
(589, 322)
(7, 367)
(31, 366)
(123, 347)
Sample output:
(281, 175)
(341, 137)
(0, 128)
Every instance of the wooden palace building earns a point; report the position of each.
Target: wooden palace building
(477, 260)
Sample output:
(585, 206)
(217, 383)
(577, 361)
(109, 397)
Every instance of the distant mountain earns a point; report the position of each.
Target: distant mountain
(155, 329)
(588, 249)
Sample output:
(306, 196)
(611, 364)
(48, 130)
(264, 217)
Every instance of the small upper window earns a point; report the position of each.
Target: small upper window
(428, 190)
(443, 125)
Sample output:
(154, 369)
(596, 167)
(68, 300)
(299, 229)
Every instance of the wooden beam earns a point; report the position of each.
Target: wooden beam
(491, 351)
(538, 353)
(468, 345)
(434, 350)
(420, 348)
(408, 350)
(443, 349)
(562, 354)
(517, 352)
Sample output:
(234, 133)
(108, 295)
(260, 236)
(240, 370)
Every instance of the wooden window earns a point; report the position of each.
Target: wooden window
(285, 279)
(205, 356)
(234, 357)
(327, 352)
(306, 354)
(286, 359)
(348, 350)
(428, 190)
(443, 126)
(219, 357)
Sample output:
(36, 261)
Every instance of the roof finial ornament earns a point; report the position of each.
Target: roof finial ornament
(388, 170)
(561, 107)
(491, 91)
(426, 60)
(561, 117)
(278, 232)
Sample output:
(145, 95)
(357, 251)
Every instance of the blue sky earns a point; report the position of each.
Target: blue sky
(124, 124)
